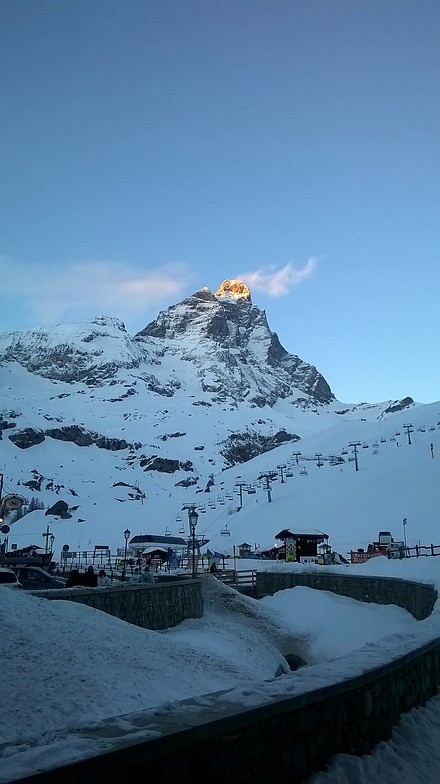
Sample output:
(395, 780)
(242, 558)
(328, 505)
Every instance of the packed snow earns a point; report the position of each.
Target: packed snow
(69, 670)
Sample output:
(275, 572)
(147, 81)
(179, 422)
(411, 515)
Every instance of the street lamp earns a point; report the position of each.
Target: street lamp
(192, 519)
(51, 539)
(404, 522)
(127, 534)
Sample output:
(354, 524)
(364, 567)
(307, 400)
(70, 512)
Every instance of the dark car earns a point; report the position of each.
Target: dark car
(9, 578)
(34, 578)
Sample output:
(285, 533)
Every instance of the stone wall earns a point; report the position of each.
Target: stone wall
(416, 598)
(286, 739)
(152, 606)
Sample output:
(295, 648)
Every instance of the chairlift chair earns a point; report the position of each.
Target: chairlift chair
(289, 474)
(225, 531)
(182, 529)
(383, 440)
(202, 508)
(345, 452)
(303, 472)
(178, 518)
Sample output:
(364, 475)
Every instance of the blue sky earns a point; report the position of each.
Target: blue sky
(152, 148)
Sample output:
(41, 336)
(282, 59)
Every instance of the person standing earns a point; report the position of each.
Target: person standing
(90, 579)
(103, 580)
(73, 579)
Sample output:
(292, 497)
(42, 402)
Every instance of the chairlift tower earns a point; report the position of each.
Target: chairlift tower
(240, 485)
(297, 455)
(267, 478)
(355, 445)
(281, 468)
(408, 429)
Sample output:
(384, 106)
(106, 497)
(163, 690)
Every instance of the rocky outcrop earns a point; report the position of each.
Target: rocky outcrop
(73, 433)
(241, 447)
(164, 465)
(399, 405)
(26, 438)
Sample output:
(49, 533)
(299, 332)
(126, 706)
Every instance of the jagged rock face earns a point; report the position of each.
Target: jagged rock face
(235, 358)
(91, 353)
(235, 354)
(234, 289)
(241, 447)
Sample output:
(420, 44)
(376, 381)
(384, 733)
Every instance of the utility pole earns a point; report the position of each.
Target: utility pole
(355, 445)
(281, 470)
(297, 455)
(409, 429)
(267, 479)
(46, 536)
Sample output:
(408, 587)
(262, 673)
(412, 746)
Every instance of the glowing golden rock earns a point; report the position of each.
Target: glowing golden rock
(234, 289)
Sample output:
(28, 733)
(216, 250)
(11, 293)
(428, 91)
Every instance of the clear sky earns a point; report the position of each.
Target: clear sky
(152, 147)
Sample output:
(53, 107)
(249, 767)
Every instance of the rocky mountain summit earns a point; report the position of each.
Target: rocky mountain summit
(110, 421)
(223, 338)
(235, 355)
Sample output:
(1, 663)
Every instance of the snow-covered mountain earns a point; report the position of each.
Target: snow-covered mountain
(127, 429)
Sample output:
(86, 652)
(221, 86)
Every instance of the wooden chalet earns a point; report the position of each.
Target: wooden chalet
(301, 546)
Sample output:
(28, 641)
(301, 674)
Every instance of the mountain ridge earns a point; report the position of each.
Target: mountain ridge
(202, 389)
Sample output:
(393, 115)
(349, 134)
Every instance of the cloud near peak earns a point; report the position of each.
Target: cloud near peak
(278, 282)
(83, 289)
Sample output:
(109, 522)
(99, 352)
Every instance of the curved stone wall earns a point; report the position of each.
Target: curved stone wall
(416, 598)
(287, 738)
(153, 606)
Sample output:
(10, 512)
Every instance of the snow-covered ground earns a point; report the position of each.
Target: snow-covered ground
(67, 669)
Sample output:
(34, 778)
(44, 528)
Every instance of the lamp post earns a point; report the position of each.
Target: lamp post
(192, 519)
(51, 539)
(126, 537)
(404, 522)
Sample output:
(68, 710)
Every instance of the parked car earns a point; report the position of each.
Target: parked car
(9, 578)
(34, 578)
